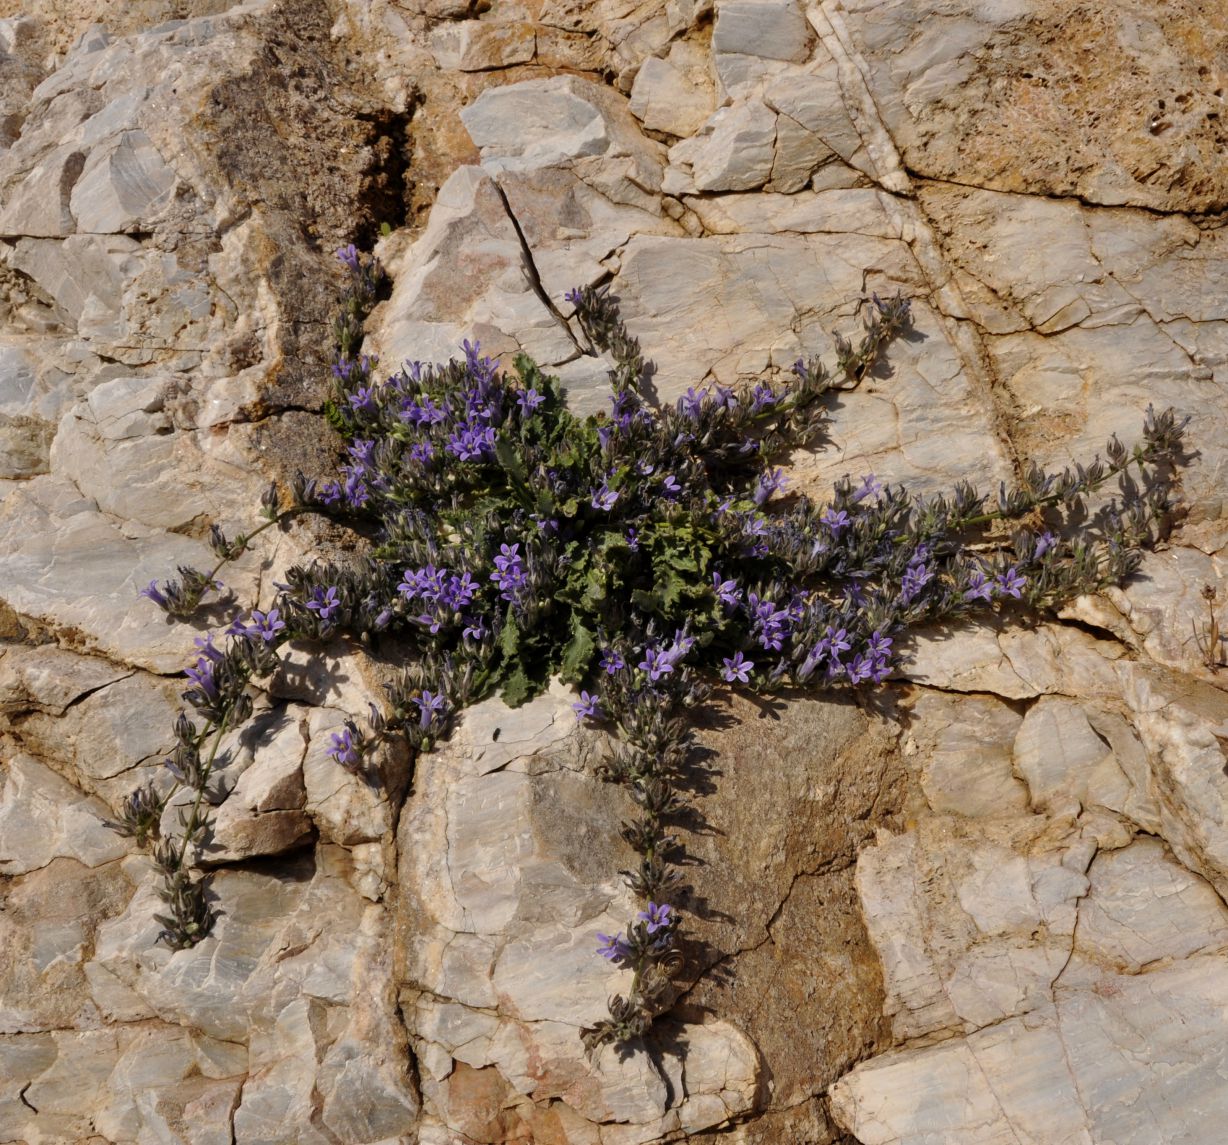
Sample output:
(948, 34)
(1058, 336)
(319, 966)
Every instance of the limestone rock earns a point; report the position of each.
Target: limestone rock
(47, 926)
(479, 45)
(963, 748)
(673, 95)
(508, 896)
(263, 813)
(53, 542)
(734, 151)
(971, 88)
(774, 29)
(973, 926)
(987, 1088)
(1142, 907)
(43, 817)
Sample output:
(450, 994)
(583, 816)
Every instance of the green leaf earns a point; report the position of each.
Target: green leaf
(506, 455)
(509, 638)
(578, 654)
(518, 688)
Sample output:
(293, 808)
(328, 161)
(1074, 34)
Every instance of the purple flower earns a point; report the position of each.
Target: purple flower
(529, 400)
(588, 707)
(979, 587)
(879, 645)
(613, 947)
(633, 540)
(861, 668)
(471, 441)
(870, 487)
(574, 296)
(329, 493)
(656, 664)
(658, 916)
(324, 602)
(835, 520)
(737, 668)
(771, 625)
(459, 591)
(916, 577)
(727, 591)
(207, 648)
(1010, 582)
(837, 642)
(770, 481)
(151, 592)
(202, 672)
(691, 403)
(604, 498)
(427, 583)
(509, 574)
(421, 452)
(762, 397)
(355, 490)
(363, 399)
(423, 412)
(429, 705)
(349, 256)
(475, 629)
(1044, 543)
(266, 625)
(671, 486)
(611, 661)
(344, 750)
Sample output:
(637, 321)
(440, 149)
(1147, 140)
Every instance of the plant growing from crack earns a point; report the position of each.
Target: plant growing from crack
(644, 556)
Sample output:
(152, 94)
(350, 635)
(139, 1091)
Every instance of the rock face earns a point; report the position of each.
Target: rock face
(988, 909)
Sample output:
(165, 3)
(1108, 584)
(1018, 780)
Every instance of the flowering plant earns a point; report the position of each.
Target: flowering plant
(643, 555)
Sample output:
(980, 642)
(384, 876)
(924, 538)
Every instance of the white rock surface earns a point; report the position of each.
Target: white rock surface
(1045, 890)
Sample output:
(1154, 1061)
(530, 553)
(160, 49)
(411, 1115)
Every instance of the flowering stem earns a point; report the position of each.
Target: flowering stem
(194, 819)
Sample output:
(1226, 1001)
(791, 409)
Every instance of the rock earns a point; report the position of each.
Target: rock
(539, 123)
(1143, 908)
(43, 817)
(506, 906)
(50, 679)
(263, 813)
(1179, 725)
(973, 91)
(963, 748)
(121, 186)
(479, 45)
(53, 541)
(110, 739)
(814, 101)
(40, 205)
(673, 95)
(674, 294)
(1058, 753)
(346, 808)
(774, 29)
(985, 1088)
(470, 228)
(47, 926)
(798, 154)
(734, 151)
(973, 919)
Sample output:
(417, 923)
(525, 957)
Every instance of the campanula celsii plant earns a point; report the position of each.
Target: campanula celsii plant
(647, 556)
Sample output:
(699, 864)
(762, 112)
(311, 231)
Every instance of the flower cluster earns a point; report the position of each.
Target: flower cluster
(648, 555)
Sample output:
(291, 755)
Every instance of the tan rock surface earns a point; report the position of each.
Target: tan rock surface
(989, 910)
